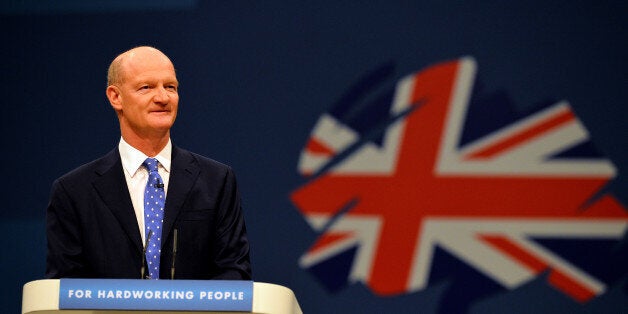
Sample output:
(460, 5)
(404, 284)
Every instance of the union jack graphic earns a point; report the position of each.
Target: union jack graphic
(423, 168)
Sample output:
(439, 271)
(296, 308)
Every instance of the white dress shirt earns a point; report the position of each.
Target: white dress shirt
(136, 175)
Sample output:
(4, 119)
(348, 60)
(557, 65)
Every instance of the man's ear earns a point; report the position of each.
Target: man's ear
(113, 94)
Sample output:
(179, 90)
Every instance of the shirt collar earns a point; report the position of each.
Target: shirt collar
(132, 158)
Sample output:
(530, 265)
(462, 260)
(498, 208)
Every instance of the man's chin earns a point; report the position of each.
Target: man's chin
(163, 122)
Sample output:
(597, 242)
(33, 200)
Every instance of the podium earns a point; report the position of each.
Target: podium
(43, 297)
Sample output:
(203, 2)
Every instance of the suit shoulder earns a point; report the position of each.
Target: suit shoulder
(209, 162)
(206, 162)
(89, 169)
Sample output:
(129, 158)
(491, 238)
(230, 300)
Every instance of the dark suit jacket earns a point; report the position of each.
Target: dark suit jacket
(92, 230)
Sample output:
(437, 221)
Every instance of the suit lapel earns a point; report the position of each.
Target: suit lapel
(112, 188)
(183, 173)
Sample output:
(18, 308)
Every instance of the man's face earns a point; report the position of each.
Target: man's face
(147, 97)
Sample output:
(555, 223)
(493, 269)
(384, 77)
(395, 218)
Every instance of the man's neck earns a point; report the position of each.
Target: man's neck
(150, 146)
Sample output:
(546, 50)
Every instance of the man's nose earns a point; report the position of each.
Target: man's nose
(161, 96)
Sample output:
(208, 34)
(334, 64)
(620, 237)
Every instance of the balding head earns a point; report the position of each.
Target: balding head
(116, 72)
(143, 90)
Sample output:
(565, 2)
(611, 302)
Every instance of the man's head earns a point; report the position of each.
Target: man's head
(143, 90)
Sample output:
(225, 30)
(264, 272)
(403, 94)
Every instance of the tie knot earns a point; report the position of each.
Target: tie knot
(151, 164)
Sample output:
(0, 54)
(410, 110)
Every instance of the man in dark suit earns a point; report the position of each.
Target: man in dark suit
(100, 221)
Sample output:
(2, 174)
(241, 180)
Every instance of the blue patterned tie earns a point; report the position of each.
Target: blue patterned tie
(154, 199)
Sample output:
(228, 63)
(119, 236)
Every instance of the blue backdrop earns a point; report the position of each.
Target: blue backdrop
(255, 77)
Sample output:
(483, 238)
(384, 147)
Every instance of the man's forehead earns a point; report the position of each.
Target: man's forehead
(137, 59)
(147, 64)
